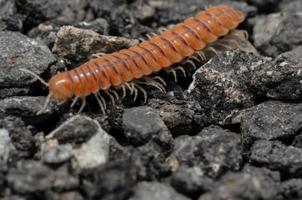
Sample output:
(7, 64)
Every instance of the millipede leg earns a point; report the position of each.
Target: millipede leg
(103, 100)
(182, 70)
(115, 94)
(111, 98)
(74, 101)
(201, 55)
(195, 58)
(143, 91)
(124, 91)
(160, 79)
(162, 29)
(83, 104)
(188, 61)
(151, 82)
(97, 55)
(135, 94)
(129, 87)
(150, 35)
(173, 72)
(100, 103)
(213, 50)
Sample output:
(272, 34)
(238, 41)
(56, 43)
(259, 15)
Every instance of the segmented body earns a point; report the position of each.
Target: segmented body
(162, 51)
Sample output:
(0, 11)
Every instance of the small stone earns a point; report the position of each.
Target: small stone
(280, 79)
(114, 180)
(191, 181)
(78, 44)
(57, 154)
(290, 6)
(291, 189)
(277, 33)
(271, 120)
(155, 190)
(219, 150)
(250, 184)
(90, 142)
(141, 124)
(214, 150)
(20, 136)
(178, 115)
(31, 177)
(277, 156)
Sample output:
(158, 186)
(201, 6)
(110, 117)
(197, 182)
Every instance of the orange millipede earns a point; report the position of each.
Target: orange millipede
(159, 52)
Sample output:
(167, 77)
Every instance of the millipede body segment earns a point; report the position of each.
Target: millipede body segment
(162, 51)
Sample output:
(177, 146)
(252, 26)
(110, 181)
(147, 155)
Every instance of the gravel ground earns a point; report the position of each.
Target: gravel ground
(231, 130)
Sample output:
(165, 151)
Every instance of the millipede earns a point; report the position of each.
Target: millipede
(134, 65)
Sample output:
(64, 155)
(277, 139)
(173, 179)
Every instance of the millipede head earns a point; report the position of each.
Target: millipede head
(60, 86)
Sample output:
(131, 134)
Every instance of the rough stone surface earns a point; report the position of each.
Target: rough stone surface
(20, 136)
(78, 44)
(155, 190)
(277, 156)
(141, 124)
(252, 183)
(291, 189)
(18, 51)
(278, 33)
(32, 177)
(191, 181)
(214, 150)
(90, 142)
(221, 86)
(281, 78)
(27, 107)
(271, 120)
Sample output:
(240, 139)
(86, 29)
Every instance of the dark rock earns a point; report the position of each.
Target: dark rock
(277, 156)
(210, 151)
(111, 181)
(18, 51)
(9, 18)
(90, 142)
(78, 44)
(179, 115)
(185, 148)
(20, 136)
(250, 184)
(98, 25)
(280, 79)
(271, 120)
(290, 6)
(8, 92)
(32, 177)
(124, 16)
(221, 86)
(27, 108)
(190, 181)
(155, 190)
(291, 189)
(277, 33)
(141, 124)
(220, 150)
(265, 5)
(38, 11)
